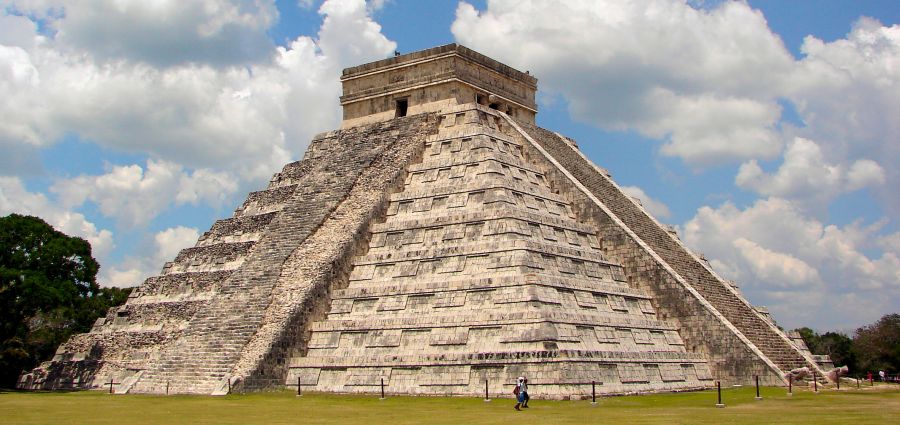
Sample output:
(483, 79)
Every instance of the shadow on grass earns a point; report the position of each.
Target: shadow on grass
(18, 391)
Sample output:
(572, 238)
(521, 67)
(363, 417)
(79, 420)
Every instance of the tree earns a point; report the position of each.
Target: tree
(840, 348)
(834, 344)
(48, 291)
(810, 337)
(877, 346)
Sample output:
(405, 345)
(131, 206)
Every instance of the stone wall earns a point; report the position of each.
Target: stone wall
(432, 80)
(435, 64)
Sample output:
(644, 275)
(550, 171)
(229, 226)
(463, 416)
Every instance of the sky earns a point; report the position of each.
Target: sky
(765, 132)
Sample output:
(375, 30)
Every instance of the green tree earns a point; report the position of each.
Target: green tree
(48, 291)
(877, 346)
(811, 338)
(840, 348)
(834, 344)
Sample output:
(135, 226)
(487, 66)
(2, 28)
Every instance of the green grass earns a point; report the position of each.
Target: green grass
(880, 405)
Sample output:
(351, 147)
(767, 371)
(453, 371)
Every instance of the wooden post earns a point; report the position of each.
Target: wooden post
(719, 391)
(486, 393)
(298, 387)
(594, 392)
(229, 385)
(790, 385)
(857, 383)
(757, 388)
(838, 374)
(382, 388)
(815, 383)
(111, 383)
(167, 387)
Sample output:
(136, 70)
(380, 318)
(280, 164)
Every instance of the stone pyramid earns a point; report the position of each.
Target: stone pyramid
(439, 243)
(481, 272)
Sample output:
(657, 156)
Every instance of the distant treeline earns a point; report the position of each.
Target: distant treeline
(872, 348)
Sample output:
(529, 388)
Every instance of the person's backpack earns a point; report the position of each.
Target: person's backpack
(516, 390)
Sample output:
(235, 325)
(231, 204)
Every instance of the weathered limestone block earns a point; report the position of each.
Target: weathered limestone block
(221, 256)
(266, 201)
(237, 229)
(171, 285)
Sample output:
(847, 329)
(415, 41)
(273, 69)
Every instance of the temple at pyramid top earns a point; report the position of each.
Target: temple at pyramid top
(432, 79)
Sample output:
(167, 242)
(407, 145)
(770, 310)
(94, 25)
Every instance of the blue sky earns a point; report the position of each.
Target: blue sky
(763, 131)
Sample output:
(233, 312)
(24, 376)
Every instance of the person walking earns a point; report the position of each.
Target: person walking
(519, 391)
(525, 391)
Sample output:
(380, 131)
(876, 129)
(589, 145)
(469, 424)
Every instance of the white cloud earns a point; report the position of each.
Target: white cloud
(709, 82)
(848, 94)
(216, 32)
(376, 5)
(797, 265)
(38, 9)
(710, 85)
(247, 120)
(15, 198)
(170, 241)
(655, 207)
(134, 195)
(864, 173)
(17, 68)
(122, 278)
(778, 268)
(18, 140)
(165, 246)
(705, 81)
(805, 175)
(847, 90)
(196, 87)
(189, 115)
(207, 186)
(19, 77)
(349, 34)
(710, 129)
(890, 243)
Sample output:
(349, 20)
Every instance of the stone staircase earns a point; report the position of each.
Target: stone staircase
(729, 303)
(481, 271)
(204, 358)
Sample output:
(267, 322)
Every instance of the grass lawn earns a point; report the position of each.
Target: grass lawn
(878, 405)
